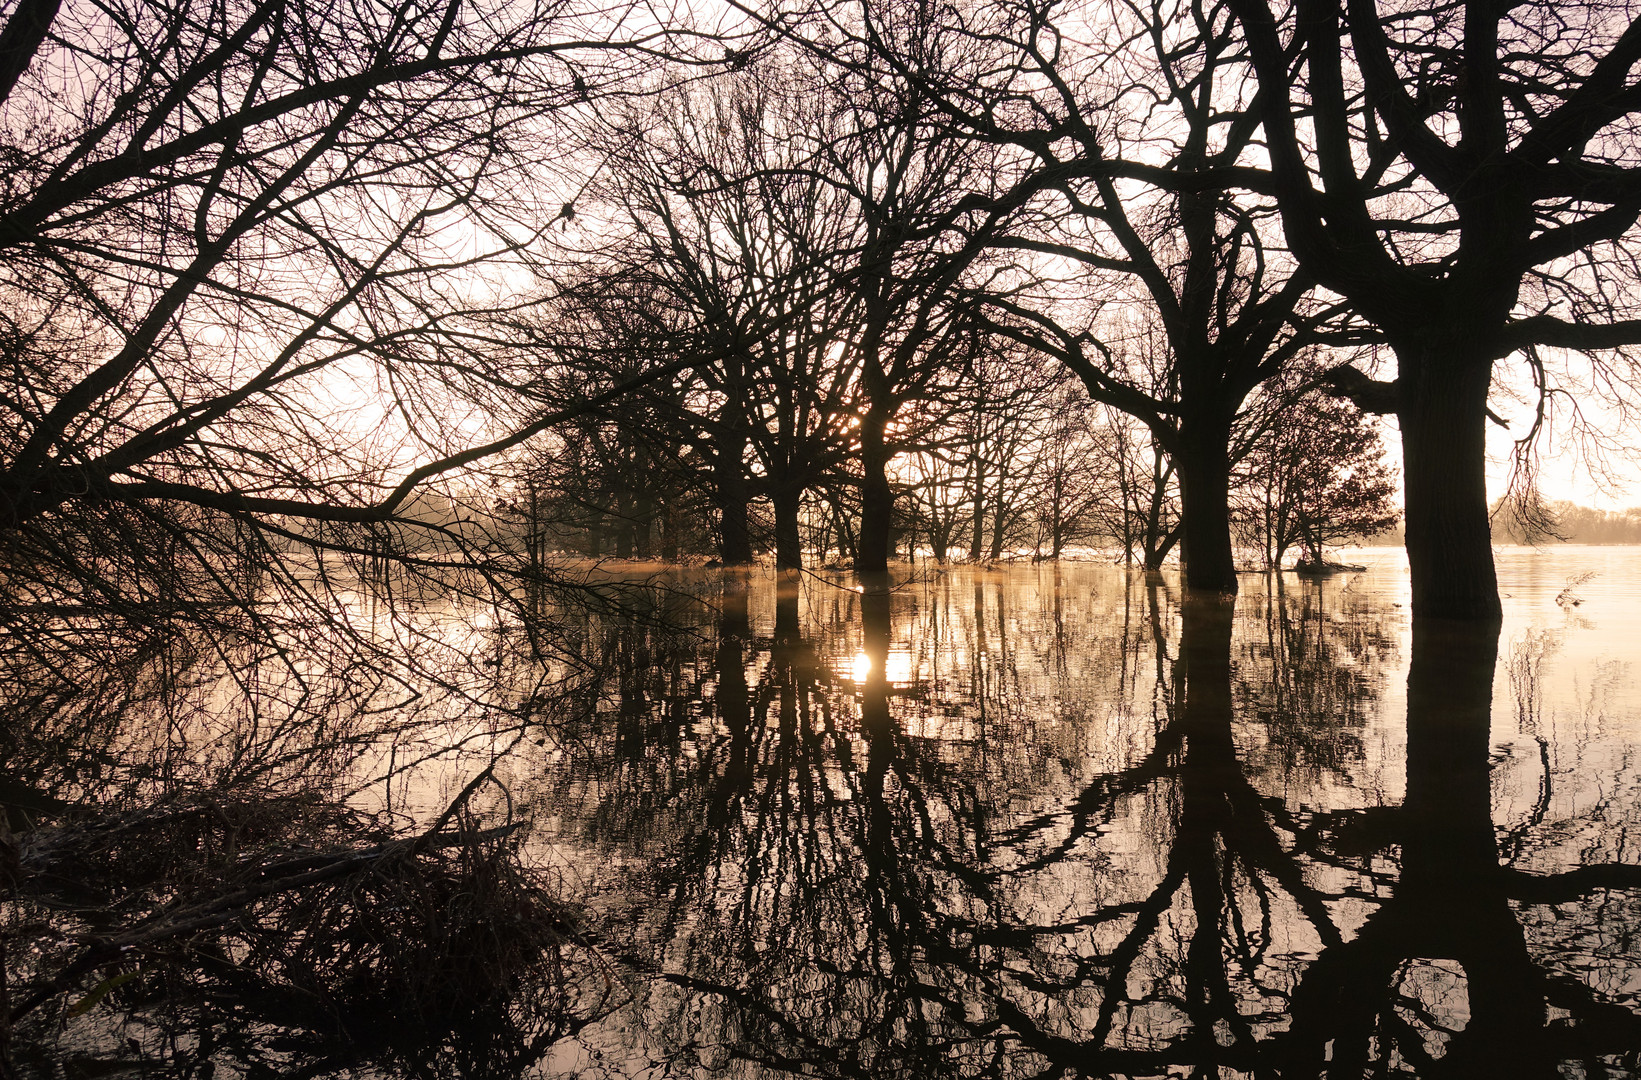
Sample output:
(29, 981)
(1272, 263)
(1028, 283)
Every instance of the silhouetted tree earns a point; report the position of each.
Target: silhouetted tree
(239, 213)
(1315, 476)
(1464, 174)
(908, 174)
(1182, 300)
(732, 249)
(1066, 485)
(1140, 507)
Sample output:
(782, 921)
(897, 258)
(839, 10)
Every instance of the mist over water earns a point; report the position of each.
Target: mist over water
(1060, 820)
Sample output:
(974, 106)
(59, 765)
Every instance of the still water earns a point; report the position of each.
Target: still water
(1051, 820)
(1060, 820)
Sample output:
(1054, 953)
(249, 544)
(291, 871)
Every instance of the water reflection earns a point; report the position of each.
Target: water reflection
(1056, 820)
(1439, 977)
(1068, 822)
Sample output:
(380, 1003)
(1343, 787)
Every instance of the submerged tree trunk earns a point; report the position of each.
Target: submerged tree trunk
(999, 528)
(877, 498)
(1205, 517)
(1443, 414)
(734, 537)
(977, 514)
(788, 542)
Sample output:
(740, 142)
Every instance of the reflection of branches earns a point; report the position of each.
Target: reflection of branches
(846, 895)
(1312, 678)
(1572, 885)
(1525, 668)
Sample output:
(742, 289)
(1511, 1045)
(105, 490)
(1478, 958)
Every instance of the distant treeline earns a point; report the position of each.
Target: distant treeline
(1572, 524)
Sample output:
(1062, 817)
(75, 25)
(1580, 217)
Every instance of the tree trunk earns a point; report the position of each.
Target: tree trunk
(669, 531)
(788, 543)
(1205, 516)
(999, 527)
(623, 526)
(877, 499)
(1157, 549)
(1155, 544)
(644, 513)
(940, 534)
(734, 537)
(1443, 413)
(977, 526)
(848, 546)
(535, 540)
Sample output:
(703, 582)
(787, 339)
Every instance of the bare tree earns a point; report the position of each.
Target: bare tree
(1466, 175)
(737, 244)
(1066, 491)
(1143, 267)
(1314, 476)
(921, 242)
(244, 243)
(1140, 508)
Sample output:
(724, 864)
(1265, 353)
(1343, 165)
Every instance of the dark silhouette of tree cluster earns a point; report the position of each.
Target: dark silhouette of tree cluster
(264, 267)
(326, 330)
(855, 283)
(1314, 478)
(1108, 201)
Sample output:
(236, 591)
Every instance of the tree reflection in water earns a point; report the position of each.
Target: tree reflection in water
(923, 829)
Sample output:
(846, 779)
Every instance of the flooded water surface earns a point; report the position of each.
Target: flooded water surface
(1043, 820)
(1059, 820)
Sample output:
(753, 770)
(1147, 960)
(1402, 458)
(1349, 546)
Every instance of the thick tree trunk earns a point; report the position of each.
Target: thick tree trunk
(734, 537)
(1205, 516)
(788, 543)
(877, 499)
(1443, 418)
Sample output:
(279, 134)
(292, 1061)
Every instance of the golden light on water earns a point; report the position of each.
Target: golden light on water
(862, 669)
(897, 670)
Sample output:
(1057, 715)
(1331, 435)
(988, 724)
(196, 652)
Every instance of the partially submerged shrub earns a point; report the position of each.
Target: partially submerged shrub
(250, 929)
